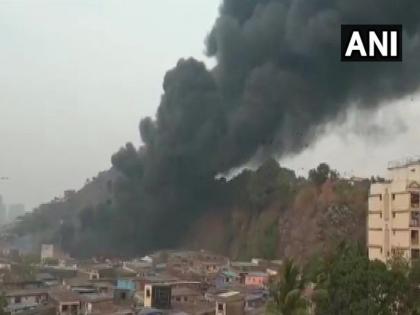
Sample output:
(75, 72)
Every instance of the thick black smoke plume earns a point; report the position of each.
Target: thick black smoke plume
(277, 81)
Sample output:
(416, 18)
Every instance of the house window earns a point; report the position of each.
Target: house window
(148, 293)
(380, 197)
(393, 196)
(185, 299)
(220, 307)
(178, 299)
(393, 214)
(380, 250)
(18, 299)
(380, 215)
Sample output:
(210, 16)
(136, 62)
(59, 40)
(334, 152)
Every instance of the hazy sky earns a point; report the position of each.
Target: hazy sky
(77, 76)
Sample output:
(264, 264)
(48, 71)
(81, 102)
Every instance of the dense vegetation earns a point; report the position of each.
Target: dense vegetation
(345, 282)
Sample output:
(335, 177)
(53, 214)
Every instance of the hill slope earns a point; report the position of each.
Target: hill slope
(264, 213)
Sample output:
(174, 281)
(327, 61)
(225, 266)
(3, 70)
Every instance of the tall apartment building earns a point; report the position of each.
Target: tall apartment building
(394, 212)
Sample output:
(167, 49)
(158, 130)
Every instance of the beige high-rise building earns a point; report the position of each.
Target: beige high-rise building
(394, 212)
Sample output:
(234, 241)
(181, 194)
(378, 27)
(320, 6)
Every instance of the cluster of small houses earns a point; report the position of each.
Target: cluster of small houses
(167, 282)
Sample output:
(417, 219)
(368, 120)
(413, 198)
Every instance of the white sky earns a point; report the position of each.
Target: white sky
(76, 77)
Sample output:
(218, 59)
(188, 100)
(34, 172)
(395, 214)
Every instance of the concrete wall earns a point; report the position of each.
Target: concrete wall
(400, 220)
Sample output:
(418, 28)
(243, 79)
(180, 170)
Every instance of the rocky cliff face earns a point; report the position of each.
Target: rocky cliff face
(317, 219)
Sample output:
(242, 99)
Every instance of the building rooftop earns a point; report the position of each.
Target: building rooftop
(184, 292)
(26, 292)
(64, 296)
(257, 274)
(404, 162)
(243, 264)
(96, 297)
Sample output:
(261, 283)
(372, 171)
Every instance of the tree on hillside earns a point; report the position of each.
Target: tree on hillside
(3, 304)
(268, 183)
(286, 292)
(321, 174)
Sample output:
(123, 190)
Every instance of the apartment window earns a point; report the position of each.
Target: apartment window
(415, 200)
(415, 219)
(415, 237)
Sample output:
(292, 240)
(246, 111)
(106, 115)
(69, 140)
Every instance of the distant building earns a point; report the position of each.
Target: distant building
(20, 300)
(157, 296)
(47, 251)
(394, 213)
(66, 302)
(256, 280)
(230, 303)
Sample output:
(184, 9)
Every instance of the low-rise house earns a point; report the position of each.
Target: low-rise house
(185, 295)
(157, 296)
(199, 308)
(138, 268)
(244, 266)
(47, 279)
(97, 271)
(66, 302)
(124, 291)
(230, 303)
(5, 264)
(23, 300)
(94, 303)
(255, 301)
(226, 278)
(256, 280)
(22, 285)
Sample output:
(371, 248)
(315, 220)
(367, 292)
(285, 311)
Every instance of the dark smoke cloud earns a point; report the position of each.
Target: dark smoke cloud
(279, 65)
(277, 81)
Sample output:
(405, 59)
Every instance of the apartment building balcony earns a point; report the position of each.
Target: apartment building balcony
(415, 219)
(415, 200)
(415, 223)
(415, 253)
